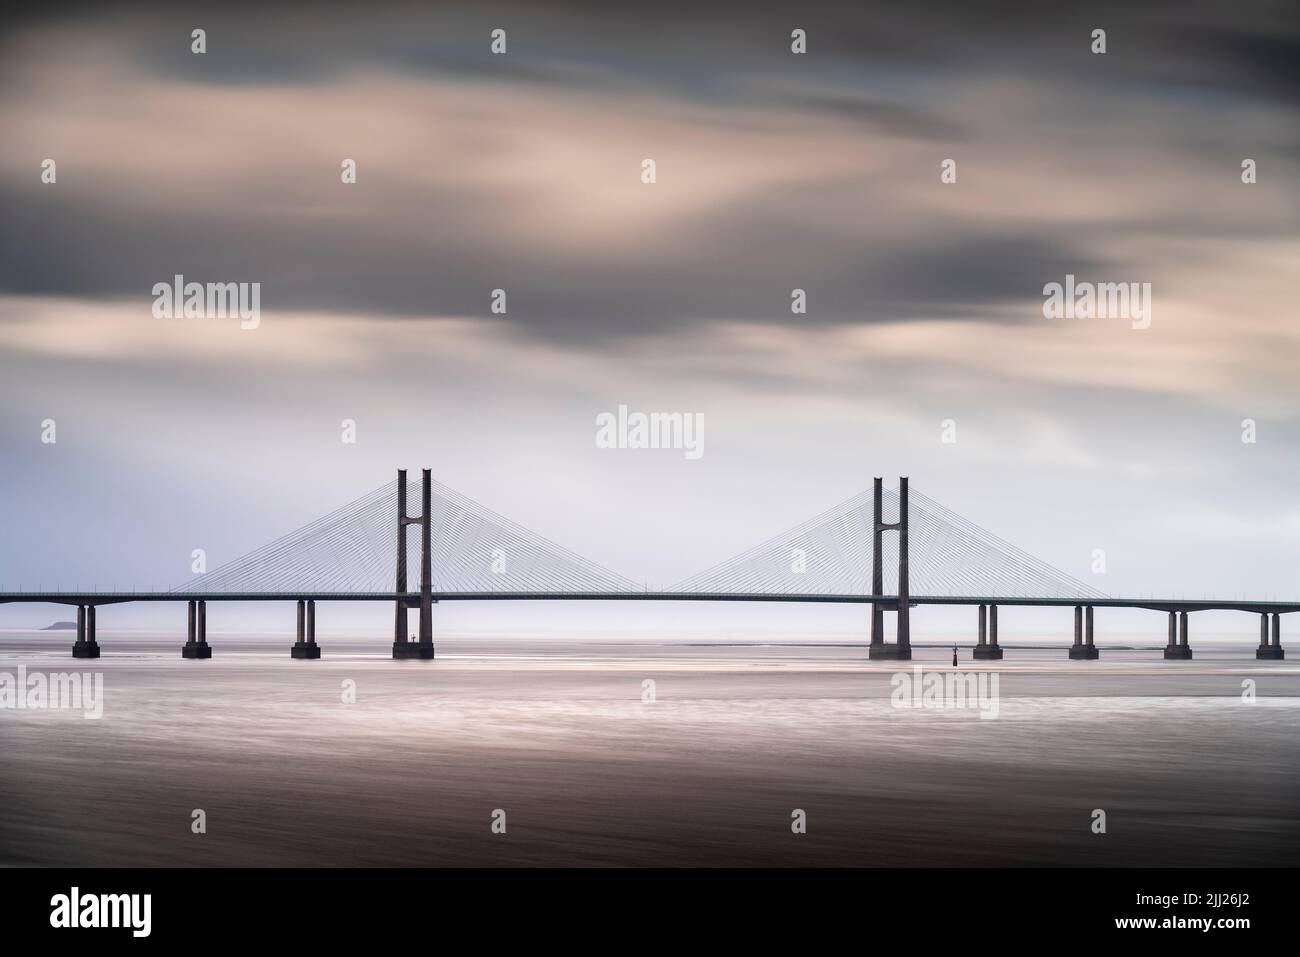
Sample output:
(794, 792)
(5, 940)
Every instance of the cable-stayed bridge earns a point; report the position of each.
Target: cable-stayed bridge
(833, 554)
(463, 550)
(356, 550)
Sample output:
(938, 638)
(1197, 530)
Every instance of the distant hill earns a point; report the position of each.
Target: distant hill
(61, 626)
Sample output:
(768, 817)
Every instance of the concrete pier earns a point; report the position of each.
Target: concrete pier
(399, 611)
(1084, 648)
(86, 646)
(1270, 650)
(1178, 650)
(196, 642)
(305, 647)
(988, 648)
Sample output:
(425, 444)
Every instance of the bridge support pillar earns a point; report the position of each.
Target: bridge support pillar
(401, 647)
(990, 650)
(415, 648)
(1272, 651)
(1083, 649)
(1180, 651)
(196, 640)
(399, 625)
(85, 646)
(880, 650)
(421, 649)
(305, 647)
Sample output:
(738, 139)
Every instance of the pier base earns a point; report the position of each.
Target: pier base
(987, 649)
(1084, 648)
(85, 646)
(884, 651)
(305, 648)
(196, 645)
(412, 651)
(1270, 652)
(1178, 648)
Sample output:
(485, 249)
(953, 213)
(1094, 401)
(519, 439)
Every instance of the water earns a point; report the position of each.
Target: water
(557, 736)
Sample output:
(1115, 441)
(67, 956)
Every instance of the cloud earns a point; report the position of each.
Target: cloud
(774, 172)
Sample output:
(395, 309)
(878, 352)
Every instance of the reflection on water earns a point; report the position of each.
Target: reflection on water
(560, 736)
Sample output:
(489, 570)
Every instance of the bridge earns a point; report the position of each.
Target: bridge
(465, 552)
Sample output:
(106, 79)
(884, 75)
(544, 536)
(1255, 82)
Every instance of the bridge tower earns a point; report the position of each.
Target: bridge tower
(880, 649)
(402, 646)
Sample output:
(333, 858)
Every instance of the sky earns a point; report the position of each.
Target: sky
(924, 350)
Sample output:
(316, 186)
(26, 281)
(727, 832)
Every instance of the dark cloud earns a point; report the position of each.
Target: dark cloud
(1252, 46)
(748, 265)
(868, 246)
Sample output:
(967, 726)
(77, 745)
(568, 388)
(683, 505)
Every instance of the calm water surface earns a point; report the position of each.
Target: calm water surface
(558, 736)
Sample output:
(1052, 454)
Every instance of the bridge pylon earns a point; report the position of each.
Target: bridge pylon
(879, 649)
(402, 646)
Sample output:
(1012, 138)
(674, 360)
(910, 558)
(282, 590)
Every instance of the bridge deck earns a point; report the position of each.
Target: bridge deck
(1155, 604)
